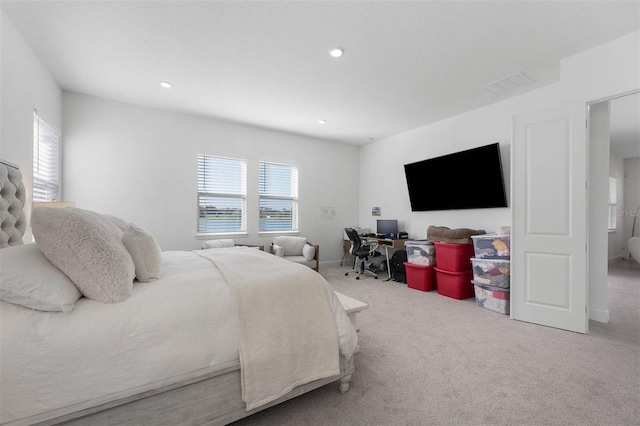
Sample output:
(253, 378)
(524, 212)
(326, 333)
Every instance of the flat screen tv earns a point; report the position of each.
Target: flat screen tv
(470, 179)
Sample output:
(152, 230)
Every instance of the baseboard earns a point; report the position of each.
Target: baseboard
(617, 258)
(599, 315)
(330, 264)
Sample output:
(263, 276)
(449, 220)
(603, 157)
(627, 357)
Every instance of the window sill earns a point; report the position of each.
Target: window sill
(211, 236)
(271, 233)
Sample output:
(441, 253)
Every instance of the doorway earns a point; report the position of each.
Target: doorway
(614, 135)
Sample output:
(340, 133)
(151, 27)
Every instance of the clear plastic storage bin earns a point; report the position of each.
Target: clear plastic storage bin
(421, 252)
(492, 298)
(492, 246)
(495, 272)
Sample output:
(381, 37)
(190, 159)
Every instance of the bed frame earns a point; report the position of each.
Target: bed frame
(212, 397)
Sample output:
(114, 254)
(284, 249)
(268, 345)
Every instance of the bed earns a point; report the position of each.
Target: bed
(199, 337)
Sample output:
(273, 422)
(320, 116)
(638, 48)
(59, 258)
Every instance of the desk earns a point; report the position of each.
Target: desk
(387, 243)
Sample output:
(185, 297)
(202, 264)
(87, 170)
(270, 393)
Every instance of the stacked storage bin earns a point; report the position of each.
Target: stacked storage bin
(491, 271)
(453, 269)
(419, 265)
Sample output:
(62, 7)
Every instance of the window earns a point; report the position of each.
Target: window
(613, 201)
(278, 197)
(46, 161)
(222, 192)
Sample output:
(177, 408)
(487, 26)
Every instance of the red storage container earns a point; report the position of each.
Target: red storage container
(457, 285)
(420, 277)
(453, 257)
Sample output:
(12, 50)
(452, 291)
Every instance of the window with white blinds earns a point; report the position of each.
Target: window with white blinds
(222, 193)
(278, 185)
(613, 203)
(46, 161)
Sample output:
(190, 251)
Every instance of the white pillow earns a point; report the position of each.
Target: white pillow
(229, 242)
(85, 246)
(309, 251)
(277, 250)
(292, 245)
(144, 251)
(28, 279)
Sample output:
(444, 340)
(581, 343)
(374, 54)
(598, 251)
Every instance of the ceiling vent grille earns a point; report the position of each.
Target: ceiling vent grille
(508, 84)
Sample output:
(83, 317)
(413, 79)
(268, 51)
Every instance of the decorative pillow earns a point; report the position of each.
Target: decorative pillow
(218, 243)
(84, 245)
(28, 279)
(309, 251)
(277, 250)
(292, 245)
(117, 221)
(144, 251)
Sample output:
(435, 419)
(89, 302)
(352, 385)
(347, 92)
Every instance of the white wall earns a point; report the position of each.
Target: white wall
(607, 70)
(140, 163)
(631, 199)
(26, 86)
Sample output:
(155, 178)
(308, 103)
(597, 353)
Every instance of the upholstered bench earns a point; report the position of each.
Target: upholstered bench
(351, 306)
(227, 242)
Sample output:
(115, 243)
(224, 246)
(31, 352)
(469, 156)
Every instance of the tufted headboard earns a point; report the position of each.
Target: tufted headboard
(12, 219)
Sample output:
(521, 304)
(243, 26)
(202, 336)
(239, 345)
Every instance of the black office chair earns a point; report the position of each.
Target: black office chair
(361, 252)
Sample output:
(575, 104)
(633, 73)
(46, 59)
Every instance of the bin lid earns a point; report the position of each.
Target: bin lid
(419, 243)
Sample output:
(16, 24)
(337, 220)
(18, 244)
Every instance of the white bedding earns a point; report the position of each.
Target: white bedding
(284, 307)
(169, 329)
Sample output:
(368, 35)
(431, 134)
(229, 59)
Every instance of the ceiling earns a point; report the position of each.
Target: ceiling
(266, 63)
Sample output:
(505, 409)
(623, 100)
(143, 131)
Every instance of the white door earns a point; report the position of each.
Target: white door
(549, 224)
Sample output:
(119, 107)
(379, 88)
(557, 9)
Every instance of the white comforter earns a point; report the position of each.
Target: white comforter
(178, 327)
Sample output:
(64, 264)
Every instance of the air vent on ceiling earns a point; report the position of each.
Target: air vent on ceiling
(508, 83)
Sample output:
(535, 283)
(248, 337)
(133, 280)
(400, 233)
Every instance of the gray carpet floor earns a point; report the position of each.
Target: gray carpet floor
(427, 359)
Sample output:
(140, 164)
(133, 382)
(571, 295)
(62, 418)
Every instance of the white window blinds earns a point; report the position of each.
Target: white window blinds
(278, 197)
(613, 203)
(46, 161)
(222, 191)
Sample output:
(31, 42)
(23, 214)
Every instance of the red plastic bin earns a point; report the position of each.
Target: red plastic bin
(456, 285)
(453, 257)
(420, 277)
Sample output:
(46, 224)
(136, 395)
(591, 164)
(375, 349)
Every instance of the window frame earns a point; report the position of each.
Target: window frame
(242, 196)
(293, 197)
(47, 141)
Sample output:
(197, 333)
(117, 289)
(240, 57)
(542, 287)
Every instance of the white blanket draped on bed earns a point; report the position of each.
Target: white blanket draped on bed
(287, 334)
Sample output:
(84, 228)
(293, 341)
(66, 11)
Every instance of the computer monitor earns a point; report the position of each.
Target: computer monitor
(388, 227)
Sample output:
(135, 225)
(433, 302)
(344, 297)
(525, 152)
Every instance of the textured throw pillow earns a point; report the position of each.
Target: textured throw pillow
(277, 250)
(292, 245)
(28, 279)
(144, 251)
(309, 251)
(222, 243)
(117, 221)
(86, 247)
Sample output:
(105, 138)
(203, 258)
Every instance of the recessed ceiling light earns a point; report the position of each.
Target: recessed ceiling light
(337, 52)
(322, 121)
(165, 84)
